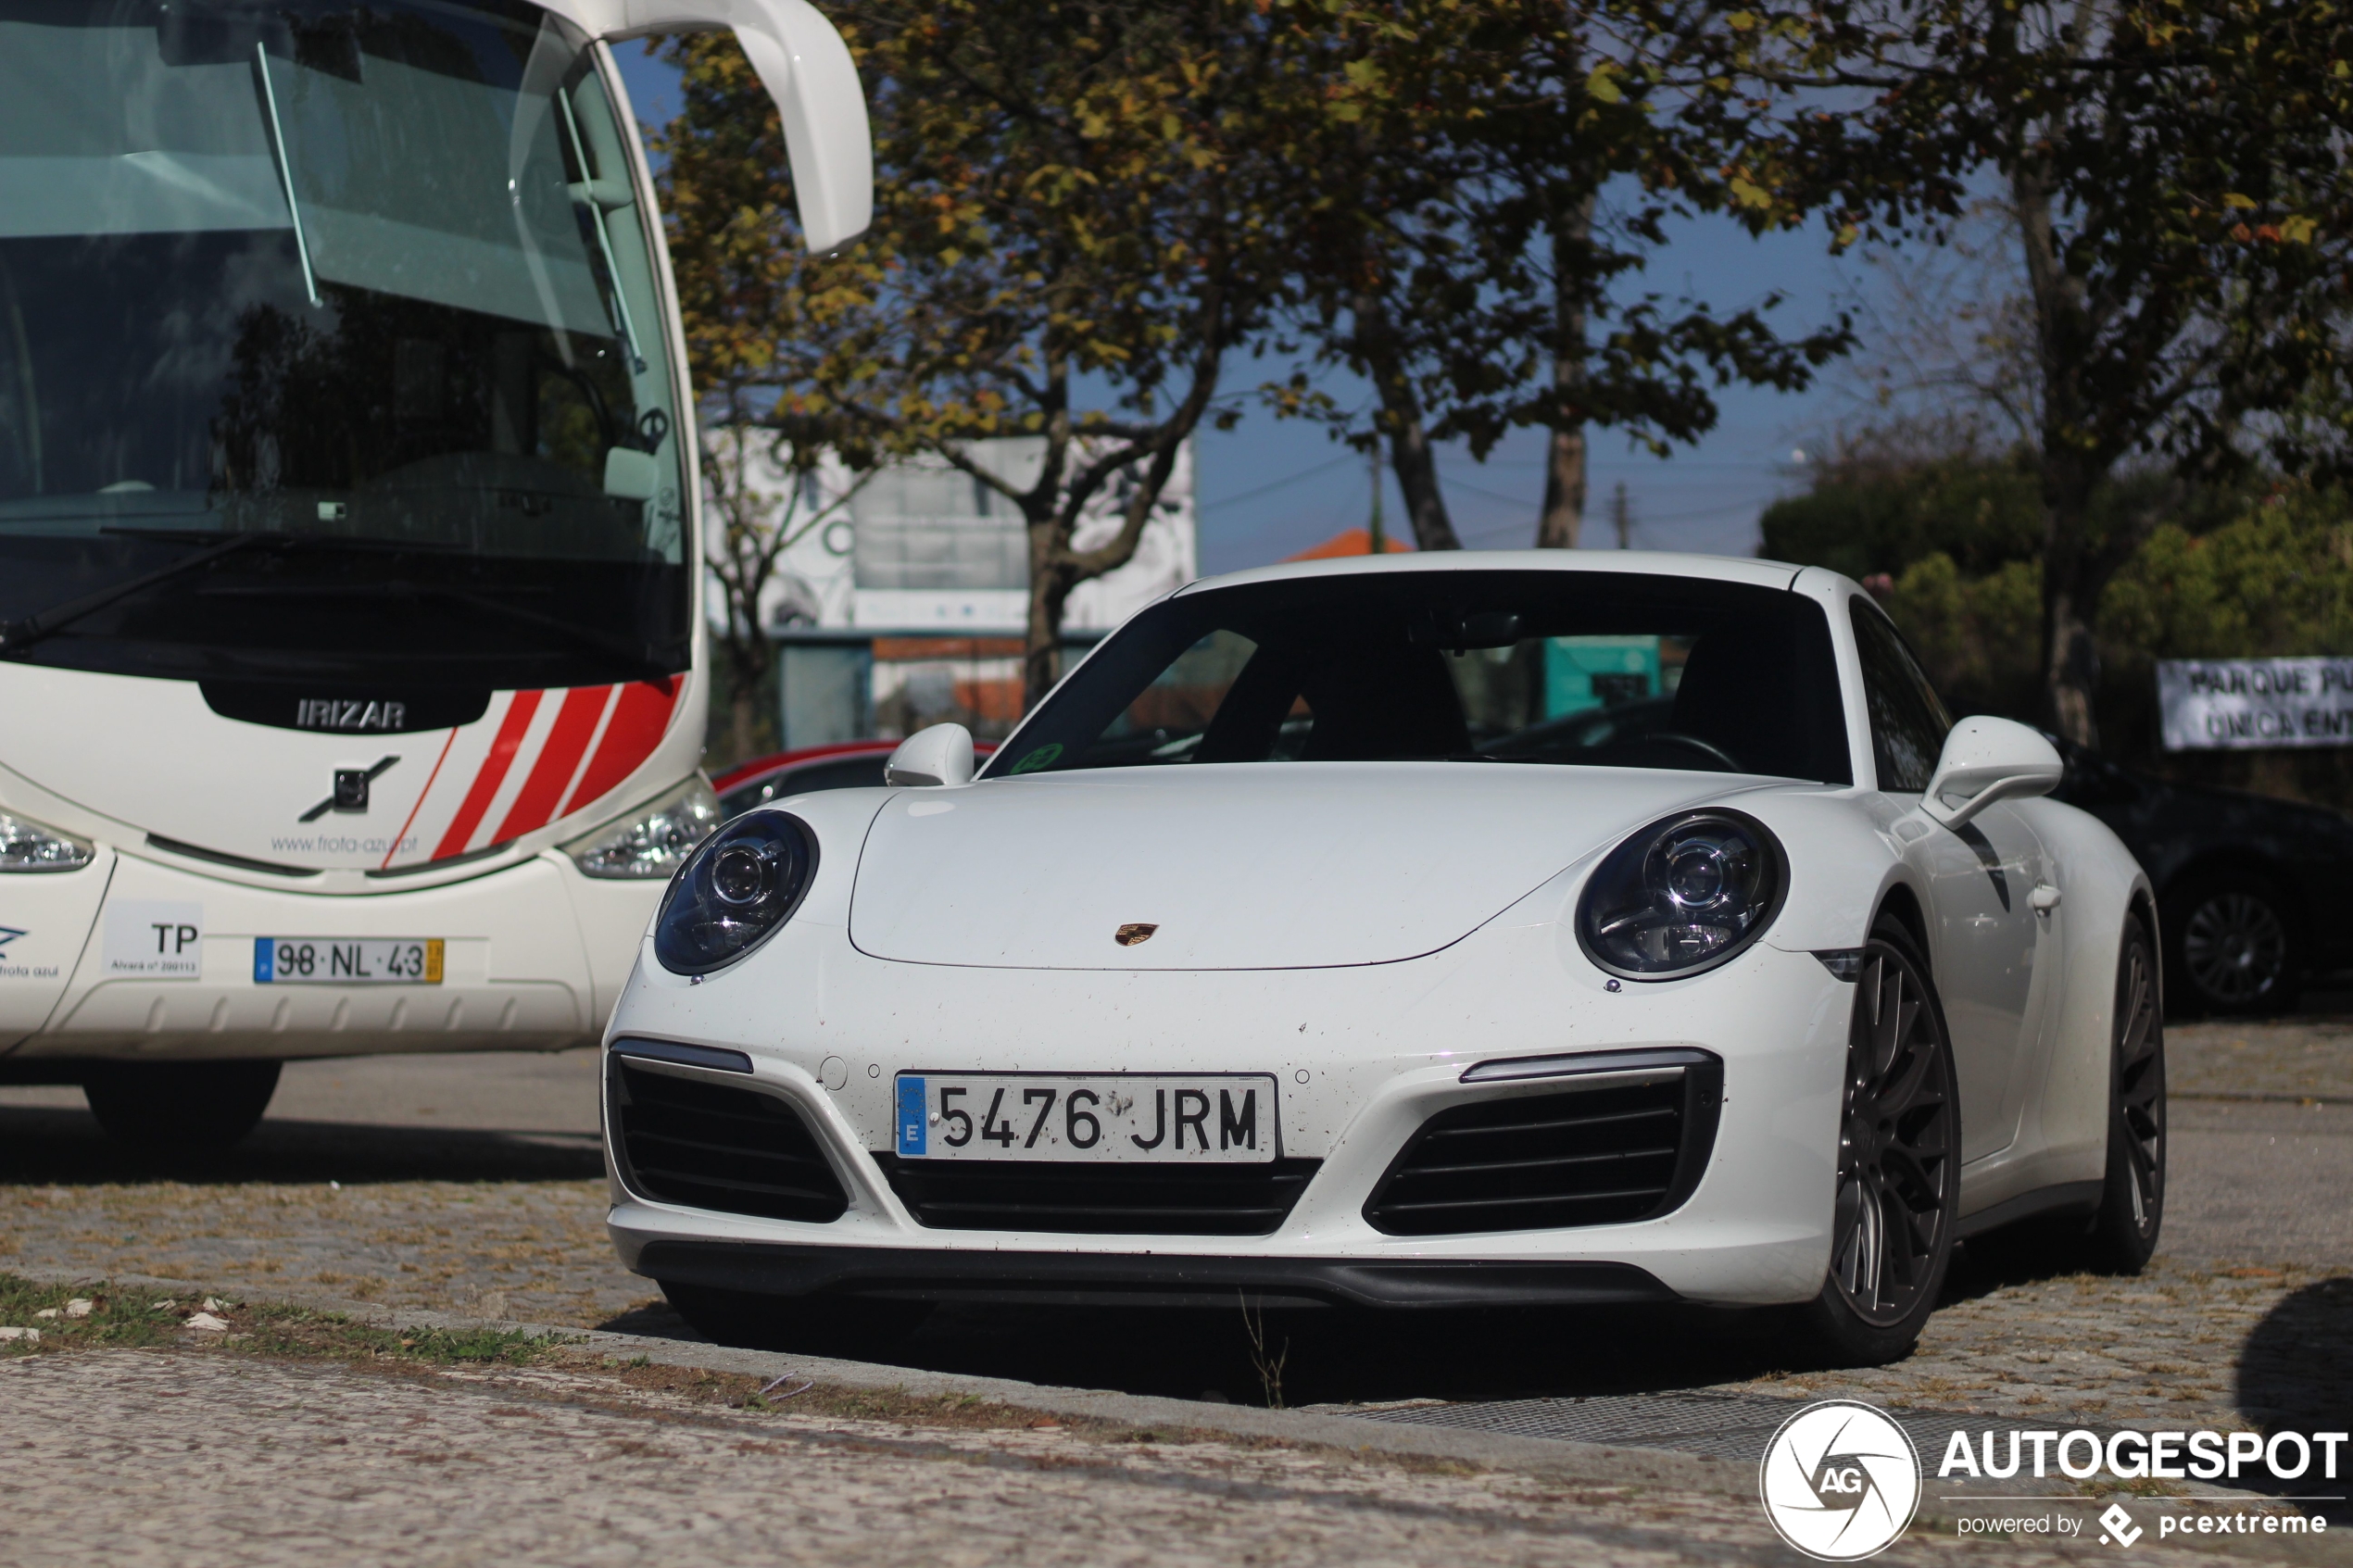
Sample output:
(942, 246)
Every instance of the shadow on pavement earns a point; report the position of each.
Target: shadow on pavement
(2295, 1374)
(1313, 1357)
(61, 1146)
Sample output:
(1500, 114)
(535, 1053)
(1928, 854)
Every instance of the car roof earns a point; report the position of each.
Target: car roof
(1652, 563)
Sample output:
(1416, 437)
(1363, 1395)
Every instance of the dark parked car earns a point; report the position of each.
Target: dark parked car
(2250, 889)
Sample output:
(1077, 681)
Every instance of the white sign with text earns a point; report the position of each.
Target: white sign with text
(155, 939)
(2248, 704)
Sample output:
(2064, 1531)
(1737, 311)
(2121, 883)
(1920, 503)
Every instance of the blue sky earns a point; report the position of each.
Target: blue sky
(1271, 487)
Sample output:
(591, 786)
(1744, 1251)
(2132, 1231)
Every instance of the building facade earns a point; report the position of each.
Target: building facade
(903, 598)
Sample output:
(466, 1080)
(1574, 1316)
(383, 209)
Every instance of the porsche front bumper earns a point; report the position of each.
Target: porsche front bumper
(1364, 1056)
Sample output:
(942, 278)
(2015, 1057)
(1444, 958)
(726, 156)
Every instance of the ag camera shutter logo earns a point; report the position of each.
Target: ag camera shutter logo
(1840, 1481)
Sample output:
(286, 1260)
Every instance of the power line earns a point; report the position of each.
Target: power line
(1205, 504)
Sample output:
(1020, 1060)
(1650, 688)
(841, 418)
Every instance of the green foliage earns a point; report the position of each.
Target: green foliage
(1072, 200)
(1864, 517)
(1975, 634)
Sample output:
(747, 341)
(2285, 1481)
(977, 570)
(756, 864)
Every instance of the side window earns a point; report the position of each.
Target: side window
(1909, 721)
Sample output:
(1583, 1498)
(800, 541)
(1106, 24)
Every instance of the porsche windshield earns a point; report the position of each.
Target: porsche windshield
(1598, 669)
(369, 281)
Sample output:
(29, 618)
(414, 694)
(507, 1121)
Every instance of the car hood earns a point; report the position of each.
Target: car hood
(1250, 866)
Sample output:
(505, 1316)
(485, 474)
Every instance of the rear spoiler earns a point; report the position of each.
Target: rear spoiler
(806, 67)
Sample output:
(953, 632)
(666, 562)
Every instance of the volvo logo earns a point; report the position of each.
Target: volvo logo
(1129, 936)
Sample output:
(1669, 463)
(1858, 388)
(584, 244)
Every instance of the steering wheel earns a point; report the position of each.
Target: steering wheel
(1706, 748)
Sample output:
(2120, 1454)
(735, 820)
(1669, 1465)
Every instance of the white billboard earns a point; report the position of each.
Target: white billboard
(2250, 704)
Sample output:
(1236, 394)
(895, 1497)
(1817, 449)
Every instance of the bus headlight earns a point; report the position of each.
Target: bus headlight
(650, 843)
(28, 846)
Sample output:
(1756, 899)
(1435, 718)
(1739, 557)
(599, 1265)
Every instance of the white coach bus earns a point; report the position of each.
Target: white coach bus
(351, 679)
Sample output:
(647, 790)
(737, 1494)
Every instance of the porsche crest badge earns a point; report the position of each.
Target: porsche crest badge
(1129, 936)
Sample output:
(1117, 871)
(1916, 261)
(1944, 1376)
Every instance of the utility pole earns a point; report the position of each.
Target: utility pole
(1623, 515)
(1376, 543)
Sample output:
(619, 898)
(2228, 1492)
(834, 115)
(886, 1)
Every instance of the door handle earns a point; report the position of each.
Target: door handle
(2045, 898)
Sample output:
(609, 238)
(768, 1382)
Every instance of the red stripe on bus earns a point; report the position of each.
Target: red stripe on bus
(638, 721)
(559, 760)
(411, 819)
(491, 773)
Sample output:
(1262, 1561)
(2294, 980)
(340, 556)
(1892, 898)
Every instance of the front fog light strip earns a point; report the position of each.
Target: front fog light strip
(684, 1055)
(1657, 1062)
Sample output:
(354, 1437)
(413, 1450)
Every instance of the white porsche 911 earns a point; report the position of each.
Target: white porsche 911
(1499, 929)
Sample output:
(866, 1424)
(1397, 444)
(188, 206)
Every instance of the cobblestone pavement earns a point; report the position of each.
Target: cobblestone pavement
(393, 1182)
(137, 1457)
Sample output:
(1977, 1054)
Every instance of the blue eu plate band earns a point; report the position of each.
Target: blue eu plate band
(911, 1129)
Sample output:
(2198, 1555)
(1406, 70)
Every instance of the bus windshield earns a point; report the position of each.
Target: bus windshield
(372, 284)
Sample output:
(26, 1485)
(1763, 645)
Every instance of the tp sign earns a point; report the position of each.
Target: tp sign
(2245, 704)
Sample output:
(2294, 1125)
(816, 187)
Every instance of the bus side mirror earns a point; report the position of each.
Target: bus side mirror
(807, 68)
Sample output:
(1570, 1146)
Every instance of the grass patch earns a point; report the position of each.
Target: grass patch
(122, 1319)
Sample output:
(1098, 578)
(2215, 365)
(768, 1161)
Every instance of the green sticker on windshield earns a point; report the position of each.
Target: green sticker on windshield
(1042, 758)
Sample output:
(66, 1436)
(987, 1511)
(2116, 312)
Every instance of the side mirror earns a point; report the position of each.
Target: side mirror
(940, 755)
(1986, 760)
(807, 69)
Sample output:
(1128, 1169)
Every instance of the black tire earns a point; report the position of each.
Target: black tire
(1898, 1180)
(2231, 945)
(179, 1105)
(2132, 1211)
(819, 1325)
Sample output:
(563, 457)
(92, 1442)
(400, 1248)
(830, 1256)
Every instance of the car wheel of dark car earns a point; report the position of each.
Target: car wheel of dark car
(2231, 947)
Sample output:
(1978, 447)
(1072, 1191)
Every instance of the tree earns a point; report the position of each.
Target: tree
(761, 315)
(1067, 246)
(749, 528)
(1482, 175)
(2183, 230)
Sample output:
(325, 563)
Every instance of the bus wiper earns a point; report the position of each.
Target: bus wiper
(17, 635)
(638, 657)
(285, 172)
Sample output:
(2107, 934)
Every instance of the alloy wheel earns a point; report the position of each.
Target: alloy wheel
(1896, 1146)
(2140, 1088)
(2235, 946)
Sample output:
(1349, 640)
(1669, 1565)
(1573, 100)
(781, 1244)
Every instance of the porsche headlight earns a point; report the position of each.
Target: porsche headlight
(734, 892)
(1681, 895)
(28, 846)
(650, 843)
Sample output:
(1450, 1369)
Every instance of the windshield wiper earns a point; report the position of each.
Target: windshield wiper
(285, 170)
(639, 656)
(17, 635)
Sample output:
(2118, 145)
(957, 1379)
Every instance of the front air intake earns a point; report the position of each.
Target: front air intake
(1608, 1154)
(1105, 1199)
(714, 1146)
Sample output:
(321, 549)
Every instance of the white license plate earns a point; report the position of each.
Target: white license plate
(1106, 1118)
(347, 960)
